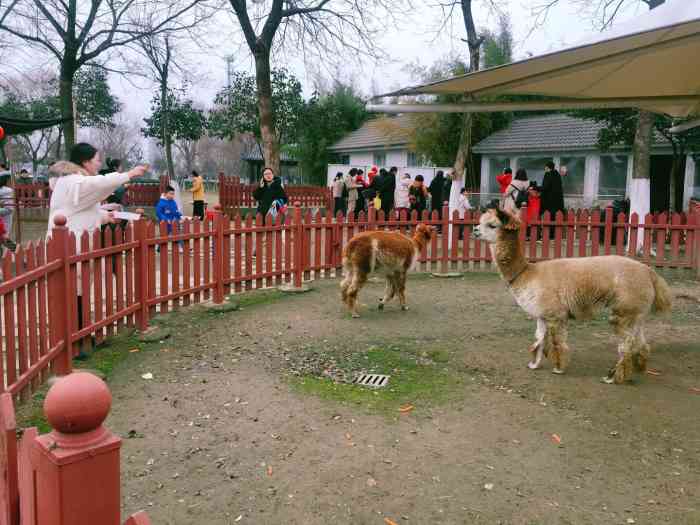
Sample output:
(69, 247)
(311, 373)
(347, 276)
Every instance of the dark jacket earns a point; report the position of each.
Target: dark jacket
(386, 191)
(417, 198)
(436, 190)
(447, 189)
(552, 193)
(269, 193)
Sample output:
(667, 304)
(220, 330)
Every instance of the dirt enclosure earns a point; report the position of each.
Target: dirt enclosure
(249, 418)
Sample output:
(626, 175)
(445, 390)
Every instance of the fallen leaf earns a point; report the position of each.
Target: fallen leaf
(653, 372)
(405, 408)
(556, 439)
(371, 482)
(695, 390)
(134, 350)
(165, 349)
(389, 522)
(488, 486)
(269, 470)
(348, 436)
(147, 375)
(239, 518)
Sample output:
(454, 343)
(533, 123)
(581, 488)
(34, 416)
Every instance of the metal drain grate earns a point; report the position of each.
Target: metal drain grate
(372, 380)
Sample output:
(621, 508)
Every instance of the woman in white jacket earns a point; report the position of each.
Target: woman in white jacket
(78, 190)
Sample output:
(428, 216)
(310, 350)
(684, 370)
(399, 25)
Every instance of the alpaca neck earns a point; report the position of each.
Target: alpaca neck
(509, 256)
(419, 241)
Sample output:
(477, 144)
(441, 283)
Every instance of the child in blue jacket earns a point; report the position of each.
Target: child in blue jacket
(166, 209)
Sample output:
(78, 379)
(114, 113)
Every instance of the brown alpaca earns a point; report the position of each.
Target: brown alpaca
(555, 291)
(390, 253)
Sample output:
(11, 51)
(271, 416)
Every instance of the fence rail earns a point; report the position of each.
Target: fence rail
(37, 195)
(56, 293)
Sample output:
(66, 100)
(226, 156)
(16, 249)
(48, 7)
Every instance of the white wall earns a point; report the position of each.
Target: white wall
(689, 185)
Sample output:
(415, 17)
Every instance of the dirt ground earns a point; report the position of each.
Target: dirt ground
(241, 423)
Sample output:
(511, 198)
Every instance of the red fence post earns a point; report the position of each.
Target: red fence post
(141, 265)
(76, 466)
(445, 236)
(60, 321)
(9, 492)
(298, 246)
(219, 258)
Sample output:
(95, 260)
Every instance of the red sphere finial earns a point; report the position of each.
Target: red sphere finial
(60, 220)
(297, 204)
(217, 207)
(77, 403)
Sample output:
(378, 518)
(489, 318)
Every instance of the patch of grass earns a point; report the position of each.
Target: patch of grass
(413, 380)
(104, 360)
(258, 297)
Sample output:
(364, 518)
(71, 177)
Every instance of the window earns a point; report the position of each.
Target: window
(379, 159)
(415, 160)
(613, 176)
(534, 167)
(496, 167)
(573, 181)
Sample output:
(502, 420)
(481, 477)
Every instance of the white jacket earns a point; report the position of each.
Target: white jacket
(78, 195)
(401, 193)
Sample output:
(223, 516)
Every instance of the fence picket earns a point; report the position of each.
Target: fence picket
(633, 235)
(595, 233)
(119, 274)
(109, 281)
(208, 228)
(97, 287)
(163, 258)
(661, 239)
(583, 221)
(237, 254)
(186, 261)
(21, 297)
(570, 233)
(675, 238)
(197, 259)
(9, 311)
(33, 321)
(43, 310)
(558, 231)
(248, 252)
(607, 238)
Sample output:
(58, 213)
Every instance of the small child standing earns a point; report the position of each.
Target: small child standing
(167, 211)
(534, 203)
(463, 205)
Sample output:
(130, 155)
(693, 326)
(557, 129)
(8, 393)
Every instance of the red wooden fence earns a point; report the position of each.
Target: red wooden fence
(123, 278)
(234, 195)
(39, 195)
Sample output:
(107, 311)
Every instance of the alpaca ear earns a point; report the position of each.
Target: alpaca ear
(509, 222)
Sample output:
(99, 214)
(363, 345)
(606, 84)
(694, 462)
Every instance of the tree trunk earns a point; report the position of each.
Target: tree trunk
(165, 128)
(271, 148)
(677, 180)
(640, 190)
(464, 162)
(66, 102)
(58, 142)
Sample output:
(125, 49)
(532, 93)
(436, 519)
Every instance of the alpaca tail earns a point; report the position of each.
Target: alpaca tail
(662, 294)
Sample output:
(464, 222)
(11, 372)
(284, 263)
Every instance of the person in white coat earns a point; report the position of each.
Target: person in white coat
(78, 192)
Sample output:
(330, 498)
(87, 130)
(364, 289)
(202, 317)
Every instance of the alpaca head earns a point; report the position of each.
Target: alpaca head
(424, 232)
(493, 221)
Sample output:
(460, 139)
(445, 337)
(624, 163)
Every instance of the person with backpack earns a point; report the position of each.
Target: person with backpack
(338, 187)
(516, 195)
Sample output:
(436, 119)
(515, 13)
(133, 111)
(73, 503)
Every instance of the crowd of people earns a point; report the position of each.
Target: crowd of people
(384, 190)
(519, 191)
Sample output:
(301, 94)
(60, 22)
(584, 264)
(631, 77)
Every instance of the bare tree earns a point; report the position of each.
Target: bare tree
(464, 164)
(122, 141)
(78, 32)
(320, 27)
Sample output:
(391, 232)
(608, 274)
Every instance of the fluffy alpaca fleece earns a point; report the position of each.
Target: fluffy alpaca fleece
(390, 253)
(555, 291)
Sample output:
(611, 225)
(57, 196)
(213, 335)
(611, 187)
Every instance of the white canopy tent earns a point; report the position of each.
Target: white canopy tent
(648, 63)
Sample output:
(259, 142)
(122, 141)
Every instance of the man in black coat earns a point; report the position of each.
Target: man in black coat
(387, 187)
(437, 185)
(552, 191)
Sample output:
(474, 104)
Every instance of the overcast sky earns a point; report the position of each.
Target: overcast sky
(412, 40)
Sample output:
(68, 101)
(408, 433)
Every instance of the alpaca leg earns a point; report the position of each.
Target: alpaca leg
(537, 347)
(358, 281)
(641, 351)
(389, 291)
(560, 349)
(625, 328)
(402, 290)
(344, 286)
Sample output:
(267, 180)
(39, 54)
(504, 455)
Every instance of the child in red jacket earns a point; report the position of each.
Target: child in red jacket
(504, 179)
(534, 204)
